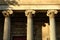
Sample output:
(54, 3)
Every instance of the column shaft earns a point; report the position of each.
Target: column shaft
(6, 14)
(29, 13)
(52, 29)
(29, 28)
(6, 35)
(51, 14)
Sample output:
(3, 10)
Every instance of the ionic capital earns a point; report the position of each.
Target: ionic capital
(29, 12)
(51, 13)
(7, 12)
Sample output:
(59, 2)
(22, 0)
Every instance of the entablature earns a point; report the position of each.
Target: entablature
(34, 7)
(28, 4)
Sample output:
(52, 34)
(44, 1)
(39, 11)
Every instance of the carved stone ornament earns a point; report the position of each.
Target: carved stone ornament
(7, 12)
(12, 2)
(51, 13)
(29, 11)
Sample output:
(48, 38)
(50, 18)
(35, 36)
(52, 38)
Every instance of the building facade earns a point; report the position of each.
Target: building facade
(29, 19)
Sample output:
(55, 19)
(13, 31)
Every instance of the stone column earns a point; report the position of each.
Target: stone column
(51, 13)
(6, 34)
(29, 13)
